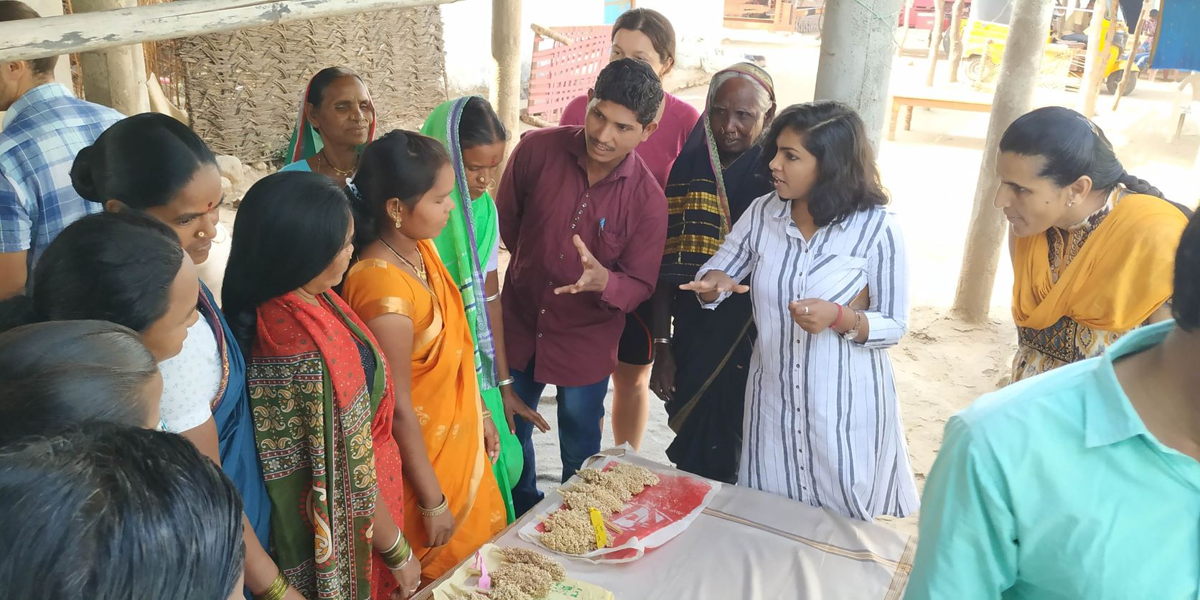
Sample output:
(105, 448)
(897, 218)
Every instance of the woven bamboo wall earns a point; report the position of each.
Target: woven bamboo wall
(243, 88)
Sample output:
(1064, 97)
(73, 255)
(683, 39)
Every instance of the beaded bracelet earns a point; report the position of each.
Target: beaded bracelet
(437, 510)
(277, 590)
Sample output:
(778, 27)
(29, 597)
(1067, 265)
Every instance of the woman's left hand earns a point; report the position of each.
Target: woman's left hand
(813, 314)
(491, 438)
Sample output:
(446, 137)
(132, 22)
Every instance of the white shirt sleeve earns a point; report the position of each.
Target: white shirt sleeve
(191, 380)
(493, 263)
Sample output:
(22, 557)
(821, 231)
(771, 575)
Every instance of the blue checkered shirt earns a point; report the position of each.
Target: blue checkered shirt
(43, 131)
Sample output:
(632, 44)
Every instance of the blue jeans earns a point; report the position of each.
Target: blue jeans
(580, 412)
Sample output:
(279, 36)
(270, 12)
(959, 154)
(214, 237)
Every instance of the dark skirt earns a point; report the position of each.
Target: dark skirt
(712, 350)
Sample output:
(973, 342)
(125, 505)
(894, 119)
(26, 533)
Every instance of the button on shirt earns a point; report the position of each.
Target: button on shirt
(43, 131)
(1054, 488)
(543, 200)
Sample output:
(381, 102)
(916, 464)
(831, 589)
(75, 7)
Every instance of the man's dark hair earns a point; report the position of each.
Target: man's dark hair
(11, 10)
(1186, 302)
(632, 84)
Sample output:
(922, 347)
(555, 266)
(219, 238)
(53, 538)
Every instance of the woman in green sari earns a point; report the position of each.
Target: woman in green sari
(470, 247)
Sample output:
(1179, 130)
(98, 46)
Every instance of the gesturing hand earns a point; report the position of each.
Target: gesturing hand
(594, 277)
(713, 283)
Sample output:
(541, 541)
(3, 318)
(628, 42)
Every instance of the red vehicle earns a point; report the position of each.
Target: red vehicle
(921, 14)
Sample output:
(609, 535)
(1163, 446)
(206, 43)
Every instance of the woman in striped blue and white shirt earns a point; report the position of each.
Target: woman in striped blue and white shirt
(822, 424)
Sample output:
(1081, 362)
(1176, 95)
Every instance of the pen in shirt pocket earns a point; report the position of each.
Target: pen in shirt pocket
(602, 221)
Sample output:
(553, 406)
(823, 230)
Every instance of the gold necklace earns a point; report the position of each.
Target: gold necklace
(346, 173)
(420, 271)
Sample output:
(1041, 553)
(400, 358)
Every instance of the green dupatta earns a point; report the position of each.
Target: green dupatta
(465, 247)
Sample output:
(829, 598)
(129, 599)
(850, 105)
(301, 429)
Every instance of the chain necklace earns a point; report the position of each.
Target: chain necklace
(420, 271)
(345, 173)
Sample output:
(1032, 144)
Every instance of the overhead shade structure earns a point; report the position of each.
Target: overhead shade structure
(1178, 45)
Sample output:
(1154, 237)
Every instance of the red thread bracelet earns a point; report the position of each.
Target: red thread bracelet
(838, 319)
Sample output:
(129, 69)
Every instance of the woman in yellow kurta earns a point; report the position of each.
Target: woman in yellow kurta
(1092, 246)
(401, 289)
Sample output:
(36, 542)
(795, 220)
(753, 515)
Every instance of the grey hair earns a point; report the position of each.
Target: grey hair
(764, 97)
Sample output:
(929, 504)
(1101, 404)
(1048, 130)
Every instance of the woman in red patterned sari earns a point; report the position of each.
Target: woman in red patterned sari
(320, 394)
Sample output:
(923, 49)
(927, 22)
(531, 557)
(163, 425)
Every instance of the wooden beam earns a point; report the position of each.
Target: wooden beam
(53, 36)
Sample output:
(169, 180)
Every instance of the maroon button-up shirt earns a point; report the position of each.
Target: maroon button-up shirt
(544, 199)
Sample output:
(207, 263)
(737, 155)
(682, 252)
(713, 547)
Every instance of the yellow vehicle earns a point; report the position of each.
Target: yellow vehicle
(983, 49)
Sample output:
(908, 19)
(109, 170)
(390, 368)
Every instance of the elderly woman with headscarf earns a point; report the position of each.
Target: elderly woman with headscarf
(701, 371)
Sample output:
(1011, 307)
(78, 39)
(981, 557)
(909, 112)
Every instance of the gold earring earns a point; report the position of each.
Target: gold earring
(396, 220)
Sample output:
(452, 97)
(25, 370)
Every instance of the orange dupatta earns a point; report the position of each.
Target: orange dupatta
(1123, 273)
(445, 397)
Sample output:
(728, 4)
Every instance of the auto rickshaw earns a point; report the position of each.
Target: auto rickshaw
(986, 33)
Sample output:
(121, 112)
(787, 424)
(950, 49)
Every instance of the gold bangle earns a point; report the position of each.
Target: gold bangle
(435, 511)
(487, 413)
(277, 590)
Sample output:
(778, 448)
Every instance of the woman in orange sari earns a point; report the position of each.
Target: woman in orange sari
(407, 298)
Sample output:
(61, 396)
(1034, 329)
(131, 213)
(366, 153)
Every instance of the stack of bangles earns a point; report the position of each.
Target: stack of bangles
(437, 510)
(277, 590)
(399, 555)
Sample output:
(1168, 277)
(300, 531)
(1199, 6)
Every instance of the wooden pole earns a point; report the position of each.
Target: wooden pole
(1137, 41)
(856, 58)
(506, 41)
(53, 36)
(1014, 97)
(908, 8)
(956, 46)
(1093, 69)
(935, 46)
(114, 77)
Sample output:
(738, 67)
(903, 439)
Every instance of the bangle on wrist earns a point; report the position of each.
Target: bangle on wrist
(276, 590)
(435, 511)
(837, 320)
(662, 340)
(398, 555)
(505, 382)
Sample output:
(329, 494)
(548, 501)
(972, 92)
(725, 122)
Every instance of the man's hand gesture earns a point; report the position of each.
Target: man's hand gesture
(594, 277)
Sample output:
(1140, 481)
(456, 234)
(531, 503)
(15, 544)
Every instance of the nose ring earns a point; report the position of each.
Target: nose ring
(201, 234)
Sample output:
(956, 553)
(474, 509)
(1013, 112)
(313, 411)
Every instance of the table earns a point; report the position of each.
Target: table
(746, 545)
(910, 102)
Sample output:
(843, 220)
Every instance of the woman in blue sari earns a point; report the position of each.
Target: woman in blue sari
(156, 165)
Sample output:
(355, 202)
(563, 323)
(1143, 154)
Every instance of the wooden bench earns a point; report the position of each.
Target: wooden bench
(911, 102)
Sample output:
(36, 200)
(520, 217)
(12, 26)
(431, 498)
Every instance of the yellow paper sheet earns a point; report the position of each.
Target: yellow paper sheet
(462, 580)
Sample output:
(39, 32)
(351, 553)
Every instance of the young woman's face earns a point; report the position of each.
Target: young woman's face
(427, 218)
(332, 275)
(794, 169)
(631, 43)
(481, 164)
(344, 117)
(1031, 203)
(164, 337)
(194, 212)
(152, 399)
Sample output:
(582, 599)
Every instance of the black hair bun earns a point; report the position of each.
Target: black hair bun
(82, 175)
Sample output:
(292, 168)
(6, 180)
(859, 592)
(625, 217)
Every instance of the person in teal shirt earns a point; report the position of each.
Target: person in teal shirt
(1083, 482)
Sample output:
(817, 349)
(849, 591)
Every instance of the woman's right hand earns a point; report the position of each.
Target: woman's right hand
(714, 283)
(438, 529)
(409, 579)
(662, 374)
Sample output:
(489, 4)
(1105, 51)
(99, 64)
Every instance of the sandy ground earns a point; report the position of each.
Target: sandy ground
(931, 173)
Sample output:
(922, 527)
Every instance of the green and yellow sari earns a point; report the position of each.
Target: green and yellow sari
(466, 247)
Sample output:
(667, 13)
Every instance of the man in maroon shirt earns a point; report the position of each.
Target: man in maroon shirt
(585, 221)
